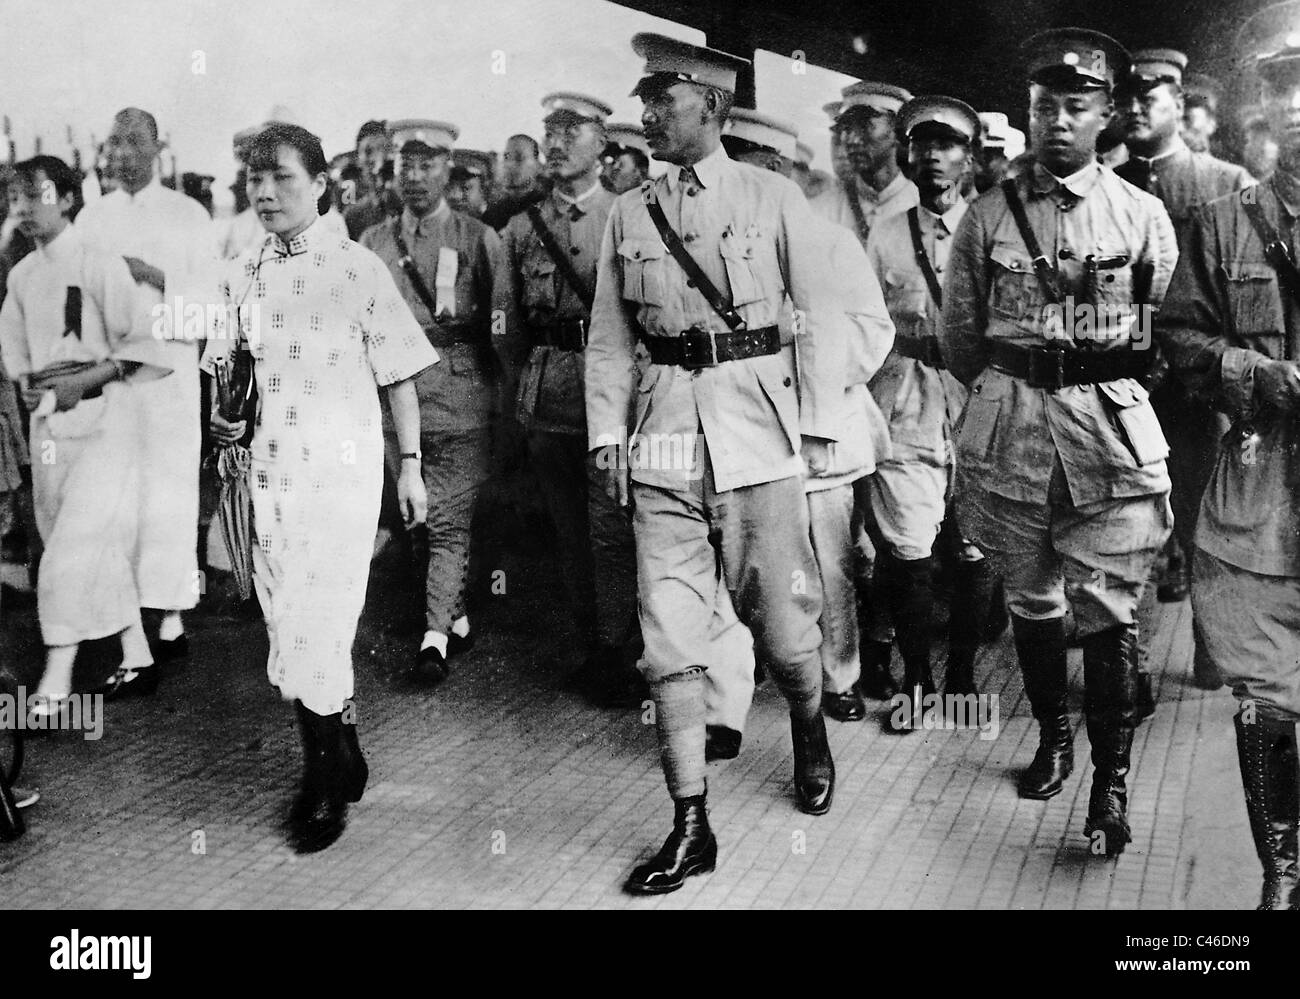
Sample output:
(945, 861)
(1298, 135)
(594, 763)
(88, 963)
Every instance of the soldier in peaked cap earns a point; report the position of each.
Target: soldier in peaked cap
(771, 143)
(551, 252)
(627, 157)
(1230, 324)
(1151, 105)
(905, 501)
(372, 202)
(1201, 96)
(877, 188)
(720, 433)
(1061, 475)
(450, 270)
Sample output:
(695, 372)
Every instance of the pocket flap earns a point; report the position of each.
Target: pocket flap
(641, 249)
(1248, 271)
(1012, 259)
(737, 249)
(1124, 393)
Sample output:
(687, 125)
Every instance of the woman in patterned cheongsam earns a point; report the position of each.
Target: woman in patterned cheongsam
(326, 325)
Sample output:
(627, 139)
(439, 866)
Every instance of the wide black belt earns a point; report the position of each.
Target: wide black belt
(447, 335)
(1056, 367)
(564, 334)
(920, 348)
(700, 348)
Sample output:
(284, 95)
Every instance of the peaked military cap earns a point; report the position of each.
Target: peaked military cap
(668, 61)
(1075, 58)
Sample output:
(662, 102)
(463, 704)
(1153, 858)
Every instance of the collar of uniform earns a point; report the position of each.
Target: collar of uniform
(948, 220)
(301, 243)
(707, 170)
(1287, 187)
(61, 245)
(1079, 184)
(564, 202)
(1176, 147)
(412, 225)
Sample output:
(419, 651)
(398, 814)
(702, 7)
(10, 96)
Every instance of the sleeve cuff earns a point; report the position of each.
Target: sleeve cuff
(1237, 376)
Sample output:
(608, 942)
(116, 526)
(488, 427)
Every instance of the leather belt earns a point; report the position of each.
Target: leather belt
(446, 336)
(702, 348)
(564, 334)
(1056, 367)
(921, 348)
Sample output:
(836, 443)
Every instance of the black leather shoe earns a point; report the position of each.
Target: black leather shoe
(846, 707)
(721, 743)
(876, 681)
(169, 650)
(814, 770)
(458, 645)
(429, 668)
(130, 683)
(690, 849)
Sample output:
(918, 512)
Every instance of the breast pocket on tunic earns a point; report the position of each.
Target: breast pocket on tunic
(1014, 290)
(539, 281)
(1254, 305)
(643, 271)
(903, 298)
(1134, 420)
(744, 270)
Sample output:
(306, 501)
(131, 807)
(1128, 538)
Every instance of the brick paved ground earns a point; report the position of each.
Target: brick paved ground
(501, 789)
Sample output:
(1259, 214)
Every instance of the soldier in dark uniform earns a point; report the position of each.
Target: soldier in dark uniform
(1160, 162)
(1230, 323)
(1061, 475)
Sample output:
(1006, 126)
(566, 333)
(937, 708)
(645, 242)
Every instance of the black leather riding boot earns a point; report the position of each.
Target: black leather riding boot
(1111, 683)
(911, 598)
(814, 770)
(319, 813)
(967, 609)
(1040, 647)
(1270, 775)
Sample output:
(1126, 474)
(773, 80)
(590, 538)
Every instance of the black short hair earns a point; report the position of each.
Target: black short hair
(639, 157)
(371, 128)
(531, 142)
(1199, 101)
(144, 116)
(58, 173)
(266, 144)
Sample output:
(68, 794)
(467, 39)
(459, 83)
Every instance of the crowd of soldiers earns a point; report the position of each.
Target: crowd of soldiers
(774, 414)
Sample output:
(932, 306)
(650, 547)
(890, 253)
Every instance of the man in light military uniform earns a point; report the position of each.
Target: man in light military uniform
(770, 143)
(450, 270)
(551, 254)
(1151, 102)
(999, 144)
(878, 189)
(906, 498)
(1061, 462)
(720, 433)
(1230, 325)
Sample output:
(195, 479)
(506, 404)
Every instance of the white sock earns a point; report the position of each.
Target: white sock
(56, 681)
(170, 628)
(437, 640)
(461, 628)
(135, 648)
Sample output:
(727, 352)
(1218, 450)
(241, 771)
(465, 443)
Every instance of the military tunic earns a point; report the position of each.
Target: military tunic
(833, 204)
(1224, 314)
(1073, 478)
(461, 264)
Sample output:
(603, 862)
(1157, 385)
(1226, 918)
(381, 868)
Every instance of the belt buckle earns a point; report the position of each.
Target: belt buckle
(1046, 368)
(581, 340)
(694, 342)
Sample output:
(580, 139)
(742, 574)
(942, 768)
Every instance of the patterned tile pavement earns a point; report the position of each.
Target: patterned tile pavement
(501, 789)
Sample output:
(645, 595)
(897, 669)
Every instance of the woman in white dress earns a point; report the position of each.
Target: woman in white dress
(325, 325)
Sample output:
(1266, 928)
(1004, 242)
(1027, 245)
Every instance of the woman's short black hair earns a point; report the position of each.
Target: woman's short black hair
(266, 144)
